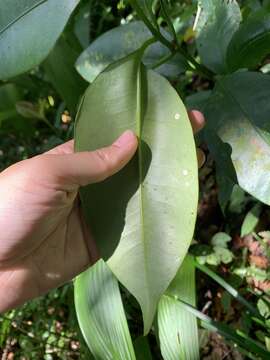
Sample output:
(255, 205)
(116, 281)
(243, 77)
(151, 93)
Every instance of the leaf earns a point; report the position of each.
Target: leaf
(251, 220)
(28, 31)
(120, 42)
(101, 314)
(231, 290)
(198, 100)
(145, 11)
(178, 330)
(29, 110)
(142, 348)
(60, 69)
(215, 24)
(263, 308)
(143, 217)
(231, 115)
(9, 95)
(250, 44)
(82, 24)
(221, 239)
(225, 172)
(236, 336)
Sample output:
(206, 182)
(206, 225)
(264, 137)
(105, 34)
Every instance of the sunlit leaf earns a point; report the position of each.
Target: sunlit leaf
(120, 42)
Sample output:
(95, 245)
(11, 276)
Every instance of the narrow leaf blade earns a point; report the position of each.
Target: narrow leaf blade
(101, 314)
(178, 329)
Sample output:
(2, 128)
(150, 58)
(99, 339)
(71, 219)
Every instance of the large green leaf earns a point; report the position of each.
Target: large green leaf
(28, 31)
(60, 69)
(101, 314)
(251, 43)
(238, 112)
(9, 95)
(178, 329)
(121, 41)
(215, 24)
(143, 217)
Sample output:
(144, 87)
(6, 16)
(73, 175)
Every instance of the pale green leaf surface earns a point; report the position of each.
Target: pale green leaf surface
(215, 24)
(251, 220)
(101, 314)
(121, 41)
(28, 31)
(143, 217)
(238, 112)
(178, 329)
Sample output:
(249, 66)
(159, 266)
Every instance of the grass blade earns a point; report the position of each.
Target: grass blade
(236, 336)
(178, 331)
(101, 314)
(231, 290)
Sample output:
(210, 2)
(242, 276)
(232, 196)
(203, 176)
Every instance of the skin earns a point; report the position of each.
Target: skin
(44, 240)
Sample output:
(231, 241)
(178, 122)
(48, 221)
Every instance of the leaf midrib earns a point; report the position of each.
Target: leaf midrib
(139, 132)
(27, 11)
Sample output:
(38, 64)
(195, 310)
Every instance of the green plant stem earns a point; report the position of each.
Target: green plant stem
(163, 60)
(168, 20)
(194, 65)
(234, 293)
(230, 334)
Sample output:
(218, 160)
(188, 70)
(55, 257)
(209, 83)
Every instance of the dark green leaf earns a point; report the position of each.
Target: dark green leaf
(215, 24)
(9, 95)
(143, 217)
(60, 69)
(238, 112)
(28, 31)
(142, 349)
(225, 172)
(251, 43)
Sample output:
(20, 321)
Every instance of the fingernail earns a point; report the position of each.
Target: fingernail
(126, 138)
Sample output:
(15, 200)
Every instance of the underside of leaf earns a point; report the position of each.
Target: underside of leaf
(143, 217)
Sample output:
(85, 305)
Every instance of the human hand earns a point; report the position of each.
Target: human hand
(44, 241)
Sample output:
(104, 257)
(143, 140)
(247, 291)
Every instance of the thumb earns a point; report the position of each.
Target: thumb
(82, 168)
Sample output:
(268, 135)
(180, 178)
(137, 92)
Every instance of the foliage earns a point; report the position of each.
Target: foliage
(215, 55)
